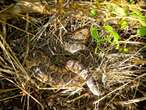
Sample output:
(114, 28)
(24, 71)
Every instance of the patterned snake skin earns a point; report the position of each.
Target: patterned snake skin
(71, 76)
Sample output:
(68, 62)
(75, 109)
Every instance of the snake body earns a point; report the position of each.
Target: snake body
(72, 76)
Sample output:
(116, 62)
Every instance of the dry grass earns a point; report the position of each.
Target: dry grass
(44, 26)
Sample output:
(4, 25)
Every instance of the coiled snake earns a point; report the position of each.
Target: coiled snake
(71, 76)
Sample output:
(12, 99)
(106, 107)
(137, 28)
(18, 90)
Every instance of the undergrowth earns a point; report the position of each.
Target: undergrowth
(114, 52)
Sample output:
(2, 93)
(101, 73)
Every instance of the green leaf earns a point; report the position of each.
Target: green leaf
(94, 33)
(117, 10)
(142, 31)
(123, 24)
(116, 36)
(93, 12)
(138, 15)
(125, 50)
(108, 28)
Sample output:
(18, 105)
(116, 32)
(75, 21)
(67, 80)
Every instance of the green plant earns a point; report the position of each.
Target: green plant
(95, 34)
(141, 31)
(123, 24)
(117, 10)
(93, 12)
(112, 34)
(138, 15)
(112, 37)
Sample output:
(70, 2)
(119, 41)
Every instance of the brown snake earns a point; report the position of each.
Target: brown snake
(72, 76)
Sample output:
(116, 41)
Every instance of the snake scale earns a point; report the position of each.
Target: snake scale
(73, 75)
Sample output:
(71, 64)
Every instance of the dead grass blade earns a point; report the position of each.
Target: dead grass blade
(133, 101)
(119, 88)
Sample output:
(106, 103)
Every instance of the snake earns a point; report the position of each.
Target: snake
(71, 76)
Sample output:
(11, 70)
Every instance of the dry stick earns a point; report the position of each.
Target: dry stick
(28, 99)
(73, 100)
(121, 87)
(4, 30)
(132, 42)
(133, 100)
(1, 21)
(7, 71)
(27, 46)
(7, 53)
(26, 93)
(133, 55)
(12, 58)
(42, 30)
(9, 98)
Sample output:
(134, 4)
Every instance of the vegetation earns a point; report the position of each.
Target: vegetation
(72, 55)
